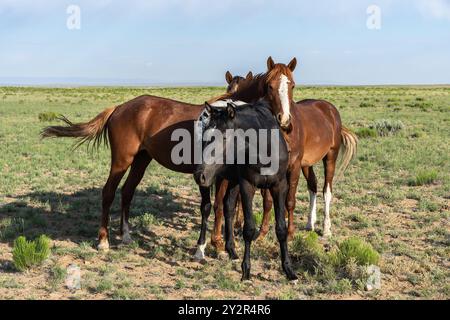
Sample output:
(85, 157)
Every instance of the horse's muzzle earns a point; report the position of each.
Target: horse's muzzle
(200, 179)
(283, 122)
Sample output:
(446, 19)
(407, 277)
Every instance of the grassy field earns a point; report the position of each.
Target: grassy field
(395, 196)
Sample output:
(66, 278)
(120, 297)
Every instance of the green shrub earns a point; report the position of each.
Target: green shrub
(105, 284)
(357, 249)
(57, 276)
(366, 105)
(385, 127)
(366, 133)
(341, 286)
(11, 228)
(27, 254)
(424, 106)
(425, 177)
(48, 116)
(309, 252)
(145, 221)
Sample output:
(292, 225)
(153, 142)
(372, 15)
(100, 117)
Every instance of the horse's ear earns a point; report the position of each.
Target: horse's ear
(208, 107)
(249, 76)
(231, 109)
(228, 77)
(270, 64)
(292, 64)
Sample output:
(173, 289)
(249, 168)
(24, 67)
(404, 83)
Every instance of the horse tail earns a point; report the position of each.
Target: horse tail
(349, 146)
(95, 131)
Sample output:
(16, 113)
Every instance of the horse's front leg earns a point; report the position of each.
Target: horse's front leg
(230, 202)
(250, 234)
(279, 192)
(205, 209)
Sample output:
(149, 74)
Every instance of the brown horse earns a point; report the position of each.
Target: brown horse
(234, 82)
(138, 131)
(315, 133)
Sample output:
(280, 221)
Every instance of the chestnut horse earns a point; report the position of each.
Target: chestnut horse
(234, 82)
(137, 131)
(315, 133)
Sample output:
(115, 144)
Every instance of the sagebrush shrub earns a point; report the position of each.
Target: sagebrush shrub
(385, 127)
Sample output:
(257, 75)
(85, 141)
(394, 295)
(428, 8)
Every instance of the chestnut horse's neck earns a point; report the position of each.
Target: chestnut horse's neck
(250, 91)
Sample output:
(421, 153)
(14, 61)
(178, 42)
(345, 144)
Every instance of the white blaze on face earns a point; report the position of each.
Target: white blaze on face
(283, 92)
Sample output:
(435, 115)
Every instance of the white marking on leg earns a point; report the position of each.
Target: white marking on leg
(327, 220)
(312, 210)
(283, 92)
(200, 253)
(103, 245)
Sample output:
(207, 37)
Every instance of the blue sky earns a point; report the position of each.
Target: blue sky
(174, 42)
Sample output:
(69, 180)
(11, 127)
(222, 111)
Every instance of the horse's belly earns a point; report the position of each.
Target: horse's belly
(313, 155)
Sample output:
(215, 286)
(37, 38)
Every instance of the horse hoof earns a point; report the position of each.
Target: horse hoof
(103, 246)
(126, 239)
(233, 255)
(309, 227)
(219, 245)
(245, 276)
(200, 253)
(293, 282)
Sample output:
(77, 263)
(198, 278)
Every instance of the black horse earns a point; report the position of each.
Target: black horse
(239, 139)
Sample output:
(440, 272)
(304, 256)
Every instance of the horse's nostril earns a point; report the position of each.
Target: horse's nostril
(279, 117)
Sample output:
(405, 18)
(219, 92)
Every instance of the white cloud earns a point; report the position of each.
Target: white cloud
(439, 9)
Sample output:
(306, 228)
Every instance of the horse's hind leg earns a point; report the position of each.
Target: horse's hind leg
(293, 177)
(329, 165)
(239, 217)
(140, 163)
(311, 179)
(250, 234)
(267, 207)
(118, 168)
(216, 235)
(205, 208)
